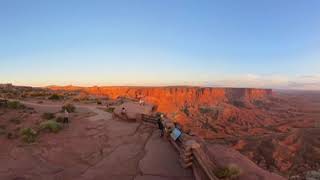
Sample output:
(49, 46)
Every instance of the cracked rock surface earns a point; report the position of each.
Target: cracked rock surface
(93, 148)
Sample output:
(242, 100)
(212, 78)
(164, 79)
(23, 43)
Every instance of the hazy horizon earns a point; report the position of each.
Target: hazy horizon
(248, 43)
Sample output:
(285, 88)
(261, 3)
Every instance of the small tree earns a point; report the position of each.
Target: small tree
(28, 135)
(229, 172)
(15, 105)
(51, 126)
(55, 97)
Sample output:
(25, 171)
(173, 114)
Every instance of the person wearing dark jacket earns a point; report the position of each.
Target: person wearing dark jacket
(160, 126)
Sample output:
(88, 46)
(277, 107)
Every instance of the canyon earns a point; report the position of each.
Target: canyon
(278, 130)
(275, 129)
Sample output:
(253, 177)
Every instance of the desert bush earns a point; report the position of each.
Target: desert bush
(55, 97)
(110, 109)
(37, 94)
(48, 116)
(51, 126)
(29, 135)
(230, 172)
(204, 109)
(185, 110)
(15, 105)
(69, 107)
(15, 120)
(212, 111)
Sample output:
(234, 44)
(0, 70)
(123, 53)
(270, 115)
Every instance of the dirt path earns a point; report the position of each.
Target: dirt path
(93, 148)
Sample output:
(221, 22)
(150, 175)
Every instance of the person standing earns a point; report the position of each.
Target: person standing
(141, 102)
(160, 126)
(66, 117)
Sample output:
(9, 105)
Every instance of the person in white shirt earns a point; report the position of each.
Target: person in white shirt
(141, 102)
(66, 117)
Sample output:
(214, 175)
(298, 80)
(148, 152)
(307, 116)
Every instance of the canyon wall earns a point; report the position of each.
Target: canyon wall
(170, 99)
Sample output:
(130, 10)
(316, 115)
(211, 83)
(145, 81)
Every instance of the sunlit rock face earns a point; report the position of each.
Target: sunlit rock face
(168, 99)
(183, 103)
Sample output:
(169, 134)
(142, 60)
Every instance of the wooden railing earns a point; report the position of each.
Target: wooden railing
(191, 152)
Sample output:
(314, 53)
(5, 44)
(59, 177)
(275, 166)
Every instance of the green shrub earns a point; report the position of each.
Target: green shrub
(28, 135)
(110, 109)
(51, 126)
(15, 120)
(15, 105)
(69, 107)
(55, 97)
(48, 116)
(230, 172)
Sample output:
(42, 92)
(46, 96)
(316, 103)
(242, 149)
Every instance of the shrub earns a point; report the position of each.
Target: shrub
(51, 126)
(110, 109)
(55, 97)
(212, 111)
(28, 135)
(204, 109)
(15, 105)
(48, 116)
(185, 110)
(69, 107)
(15, 120)
(230, 172)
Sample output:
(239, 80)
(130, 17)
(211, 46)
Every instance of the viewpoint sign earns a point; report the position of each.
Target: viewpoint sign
(175, 134)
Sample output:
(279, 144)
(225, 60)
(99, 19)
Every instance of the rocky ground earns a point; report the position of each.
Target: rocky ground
(94, 146)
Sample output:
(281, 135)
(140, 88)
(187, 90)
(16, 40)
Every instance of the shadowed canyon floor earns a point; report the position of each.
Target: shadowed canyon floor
(94, 146)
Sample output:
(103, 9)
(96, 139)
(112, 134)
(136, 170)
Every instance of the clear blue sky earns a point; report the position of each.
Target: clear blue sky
(258, 43)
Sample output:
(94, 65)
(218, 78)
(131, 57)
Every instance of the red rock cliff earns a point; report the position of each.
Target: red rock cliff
(168, 99)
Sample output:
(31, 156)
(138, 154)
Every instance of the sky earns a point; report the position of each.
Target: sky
(232, 43)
